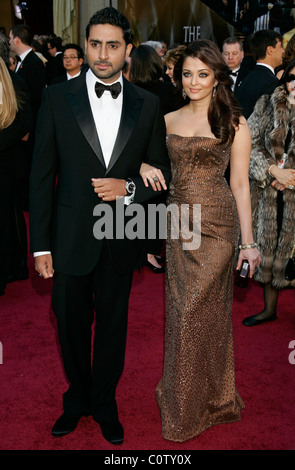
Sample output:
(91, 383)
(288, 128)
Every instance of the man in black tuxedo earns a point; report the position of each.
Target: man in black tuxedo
(233, 54)
(30, 67)
(54, 66)
(92, 143)
(32, 70)
(266, 47)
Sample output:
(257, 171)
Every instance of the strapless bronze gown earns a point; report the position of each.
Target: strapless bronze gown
(197, 389)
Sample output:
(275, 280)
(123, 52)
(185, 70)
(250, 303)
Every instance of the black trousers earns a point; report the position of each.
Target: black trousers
(92, 315)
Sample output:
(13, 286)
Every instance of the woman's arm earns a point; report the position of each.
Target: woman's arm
(239, 183)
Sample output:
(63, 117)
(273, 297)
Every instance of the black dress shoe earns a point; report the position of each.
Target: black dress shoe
(253, 320)
(155, 268)
(112, 430)
(65, 424)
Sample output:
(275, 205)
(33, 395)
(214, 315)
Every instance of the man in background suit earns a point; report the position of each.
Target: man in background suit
(93, 142)
(32, 70)
(233, 54)
(73, 63)
(54, 66)
(266, 47)
(30, 67)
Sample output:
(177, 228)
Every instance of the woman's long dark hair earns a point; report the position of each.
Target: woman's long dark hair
(146, 65)
(224, 112)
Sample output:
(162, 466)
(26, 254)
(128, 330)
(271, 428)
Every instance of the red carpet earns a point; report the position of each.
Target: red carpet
(32, 379)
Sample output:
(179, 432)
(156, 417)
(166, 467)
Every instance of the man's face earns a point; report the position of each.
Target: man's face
(51, 50)
(232, 55)
(278, 53)
(71, 61)
(106, 51)
(13, 43)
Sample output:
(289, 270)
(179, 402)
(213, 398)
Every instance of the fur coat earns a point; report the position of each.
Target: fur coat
(269, 125)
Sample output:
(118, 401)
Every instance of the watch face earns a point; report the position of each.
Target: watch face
(130, 187)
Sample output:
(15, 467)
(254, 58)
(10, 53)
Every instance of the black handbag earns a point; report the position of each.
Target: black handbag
(290, 268)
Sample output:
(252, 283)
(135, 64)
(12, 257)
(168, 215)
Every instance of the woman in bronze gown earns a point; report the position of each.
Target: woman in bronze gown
(197, 389)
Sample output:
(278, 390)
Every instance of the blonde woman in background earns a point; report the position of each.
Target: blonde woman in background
(15, 123)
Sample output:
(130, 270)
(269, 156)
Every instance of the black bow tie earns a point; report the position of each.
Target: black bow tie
(115, 89)
(235, 74)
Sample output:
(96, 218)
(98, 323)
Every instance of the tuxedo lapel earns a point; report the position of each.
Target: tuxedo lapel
(132, 105)
(78, 99)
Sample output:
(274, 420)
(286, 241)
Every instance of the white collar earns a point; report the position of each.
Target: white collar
(69, 77)
(266, 65)
(91, 80)
(24, 54)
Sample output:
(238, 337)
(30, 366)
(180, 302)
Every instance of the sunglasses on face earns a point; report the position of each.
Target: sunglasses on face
(290, 78)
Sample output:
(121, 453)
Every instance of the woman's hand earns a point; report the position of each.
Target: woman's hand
(152, 176)
(284, 176)
(253, 256)
(278, 186)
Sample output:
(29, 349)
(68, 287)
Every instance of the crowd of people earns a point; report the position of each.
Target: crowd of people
(185, 126)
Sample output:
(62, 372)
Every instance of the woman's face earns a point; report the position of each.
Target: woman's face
(169, 70)
(198, 79)
(291, 83)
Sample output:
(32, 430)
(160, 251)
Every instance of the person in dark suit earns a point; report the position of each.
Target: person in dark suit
(233, 54)
(93, 142)
(73, 63)
(266, 46)
(30, 67)
(32, 70)
(54, 66)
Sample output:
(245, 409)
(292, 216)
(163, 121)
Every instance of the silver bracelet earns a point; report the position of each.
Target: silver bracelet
(246, 246)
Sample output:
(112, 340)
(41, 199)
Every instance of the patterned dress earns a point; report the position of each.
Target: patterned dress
(197, 389)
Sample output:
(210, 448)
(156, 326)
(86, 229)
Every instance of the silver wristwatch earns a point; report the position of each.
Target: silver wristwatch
(130, 186)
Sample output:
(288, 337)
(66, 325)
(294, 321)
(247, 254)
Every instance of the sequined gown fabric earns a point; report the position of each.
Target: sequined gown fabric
(197, 389)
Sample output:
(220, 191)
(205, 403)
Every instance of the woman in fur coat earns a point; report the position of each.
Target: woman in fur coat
(272, 126)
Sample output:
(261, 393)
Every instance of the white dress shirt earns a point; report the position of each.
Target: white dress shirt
(106, 114)
(234, 77)
(70, 77)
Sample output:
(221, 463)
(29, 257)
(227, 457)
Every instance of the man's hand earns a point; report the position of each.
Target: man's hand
(108, 189)
(43, 265)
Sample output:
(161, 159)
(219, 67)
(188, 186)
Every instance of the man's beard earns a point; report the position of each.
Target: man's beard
(106, 74)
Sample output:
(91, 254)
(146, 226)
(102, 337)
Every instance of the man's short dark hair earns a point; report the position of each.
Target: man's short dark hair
(55, 42)
(23, 32)
(79, 49)
(260, 41)
(113, 17)
(233, 40)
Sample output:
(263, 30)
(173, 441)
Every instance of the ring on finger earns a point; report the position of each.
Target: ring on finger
(156, 179)
(291, 186)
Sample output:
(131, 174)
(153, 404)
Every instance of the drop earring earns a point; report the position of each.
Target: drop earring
(184, 95)
(214, 92)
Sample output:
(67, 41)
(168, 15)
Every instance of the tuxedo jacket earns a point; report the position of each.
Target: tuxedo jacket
(33, 72)
(68, 154)
(260, 81)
